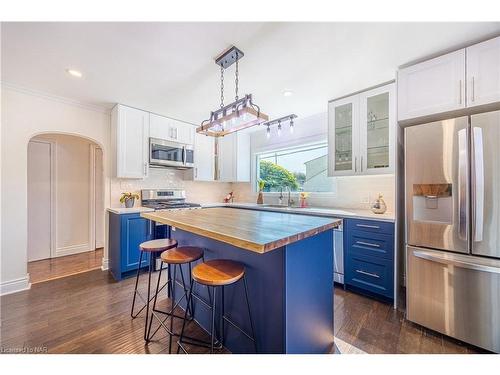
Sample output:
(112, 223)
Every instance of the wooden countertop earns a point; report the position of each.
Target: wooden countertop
(258, 231)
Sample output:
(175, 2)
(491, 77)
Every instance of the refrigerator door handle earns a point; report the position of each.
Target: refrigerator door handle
(452, 260)
(463, 157)
(477, 184)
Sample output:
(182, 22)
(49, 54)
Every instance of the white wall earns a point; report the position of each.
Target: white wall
(73, 196)
(351, 192)
(24, 115)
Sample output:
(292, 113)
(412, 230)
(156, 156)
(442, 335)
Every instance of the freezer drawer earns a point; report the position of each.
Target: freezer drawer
(457, 295)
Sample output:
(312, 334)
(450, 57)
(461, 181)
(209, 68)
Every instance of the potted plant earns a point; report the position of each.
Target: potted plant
(129, 199)
(260, 197)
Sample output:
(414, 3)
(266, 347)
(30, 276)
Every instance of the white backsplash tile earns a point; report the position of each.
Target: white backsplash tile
(352, 192)
(164, 178)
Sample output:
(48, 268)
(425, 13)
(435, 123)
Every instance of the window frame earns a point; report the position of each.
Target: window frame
(283, 147)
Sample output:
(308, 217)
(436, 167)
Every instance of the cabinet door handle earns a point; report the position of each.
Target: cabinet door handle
(460, 93)
(368, 226)
(196, 173)
(361, 165)
(473, 89)
(367, 244)
(356, 164)
(368, 274)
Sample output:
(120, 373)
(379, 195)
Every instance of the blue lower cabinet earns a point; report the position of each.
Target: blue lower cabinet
(369, 256)
(126, 233)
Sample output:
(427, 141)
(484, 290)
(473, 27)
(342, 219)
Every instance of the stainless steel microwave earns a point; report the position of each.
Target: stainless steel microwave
(163, 153)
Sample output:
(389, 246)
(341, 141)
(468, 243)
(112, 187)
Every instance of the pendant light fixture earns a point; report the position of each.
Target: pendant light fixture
(279, 121)
(241, 114)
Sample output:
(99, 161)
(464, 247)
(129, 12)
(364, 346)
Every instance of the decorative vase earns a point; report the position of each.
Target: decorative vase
(129, 202)
(379, 206)
(260, 198)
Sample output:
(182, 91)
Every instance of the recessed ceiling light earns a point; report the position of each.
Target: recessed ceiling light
(74, 73)
(287, 93)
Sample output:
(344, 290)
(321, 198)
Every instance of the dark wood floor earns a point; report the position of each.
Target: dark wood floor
(55, 268)
(366, 325)
(90, 313)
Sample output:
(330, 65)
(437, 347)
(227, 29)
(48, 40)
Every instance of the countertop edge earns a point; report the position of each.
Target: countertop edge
(131, 210)
(310, 212)
(239, 242)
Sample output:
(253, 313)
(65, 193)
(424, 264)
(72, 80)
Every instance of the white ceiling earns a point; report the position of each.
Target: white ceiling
(168, 68)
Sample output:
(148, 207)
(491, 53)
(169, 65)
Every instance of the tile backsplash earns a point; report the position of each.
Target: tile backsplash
(351, 192)
(164, 178)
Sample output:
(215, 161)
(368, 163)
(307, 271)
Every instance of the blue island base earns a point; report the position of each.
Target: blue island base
(290, 291)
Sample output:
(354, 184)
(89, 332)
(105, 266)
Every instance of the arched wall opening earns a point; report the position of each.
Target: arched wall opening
(65, 203)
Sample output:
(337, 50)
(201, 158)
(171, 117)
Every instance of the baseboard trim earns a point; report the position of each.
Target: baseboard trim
(73, 249)
(105, 264)
(14, 286)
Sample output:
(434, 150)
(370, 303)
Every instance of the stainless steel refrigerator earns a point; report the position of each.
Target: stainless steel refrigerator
(452, 184)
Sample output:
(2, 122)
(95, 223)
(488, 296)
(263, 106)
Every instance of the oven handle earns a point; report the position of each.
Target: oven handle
(184, 155)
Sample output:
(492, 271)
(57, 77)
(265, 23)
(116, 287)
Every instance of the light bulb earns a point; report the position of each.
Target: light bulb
(291, 126)
(268, 132)
(279, 129)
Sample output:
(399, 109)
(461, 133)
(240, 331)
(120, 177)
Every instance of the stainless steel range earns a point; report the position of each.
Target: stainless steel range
(166, 199)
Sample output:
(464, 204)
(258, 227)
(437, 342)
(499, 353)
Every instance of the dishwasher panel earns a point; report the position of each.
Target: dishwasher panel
(338, 252)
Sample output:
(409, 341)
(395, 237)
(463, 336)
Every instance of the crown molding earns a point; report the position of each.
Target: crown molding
(56, 98)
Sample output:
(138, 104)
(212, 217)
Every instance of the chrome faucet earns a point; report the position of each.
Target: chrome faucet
(281, 195)
(290, 200)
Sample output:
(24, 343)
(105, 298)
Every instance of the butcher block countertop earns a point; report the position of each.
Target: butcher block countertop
(258, 231)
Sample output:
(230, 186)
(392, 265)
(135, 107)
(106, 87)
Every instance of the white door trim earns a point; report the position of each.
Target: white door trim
(92, 197)
(53, 195)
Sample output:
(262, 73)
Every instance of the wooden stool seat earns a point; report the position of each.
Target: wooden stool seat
(218, 272)
(182, 255)
(155, 246)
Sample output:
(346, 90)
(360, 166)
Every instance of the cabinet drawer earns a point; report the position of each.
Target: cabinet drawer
(371, 274)
(371, 226)
(371, 244)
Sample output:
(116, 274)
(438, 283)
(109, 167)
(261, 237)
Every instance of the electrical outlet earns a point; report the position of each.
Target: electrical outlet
(365, 199)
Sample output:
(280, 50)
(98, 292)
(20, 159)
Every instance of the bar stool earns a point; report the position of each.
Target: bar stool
(213, 274)
(174, 258)
(152, 247)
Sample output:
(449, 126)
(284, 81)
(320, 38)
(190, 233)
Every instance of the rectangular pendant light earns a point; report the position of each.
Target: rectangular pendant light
(242, 114)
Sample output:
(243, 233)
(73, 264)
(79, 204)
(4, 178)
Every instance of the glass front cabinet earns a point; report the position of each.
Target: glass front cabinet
(361, 133)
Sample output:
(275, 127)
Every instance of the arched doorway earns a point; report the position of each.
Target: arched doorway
(65, 206)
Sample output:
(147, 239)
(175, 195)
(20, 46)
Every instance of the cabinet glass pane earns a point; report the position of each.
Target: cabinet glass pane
(343, 137)
(377, 131)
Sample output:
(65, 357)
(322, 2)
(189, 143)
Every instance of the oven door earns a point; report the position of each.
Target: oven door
(166, 153)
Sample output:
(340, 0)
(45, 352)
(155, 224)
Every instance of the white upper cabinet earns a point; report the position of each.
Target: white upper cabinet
(130, 135)
(361, 133)
(204, 158)
(377, 125)
(233, 158)
(433, 86)
(343, 130)
(171, 130)
(483, 73)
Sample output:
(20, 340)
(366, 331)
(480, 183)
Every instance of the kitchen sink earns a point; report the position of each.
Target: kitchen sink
(280, 206)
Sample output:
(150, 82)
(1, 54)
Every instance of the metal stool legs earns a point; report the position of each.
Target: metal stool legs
(224, 318)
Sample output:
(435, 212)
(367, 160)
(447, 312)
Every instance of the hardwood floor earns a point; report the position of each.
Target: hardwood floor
(366, 325)
(90, 313)
(55, 268)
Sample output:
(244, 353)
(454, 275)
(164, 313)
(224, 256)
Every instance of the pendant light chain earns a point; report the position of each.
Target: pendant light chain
(237, 77)
(221, 86)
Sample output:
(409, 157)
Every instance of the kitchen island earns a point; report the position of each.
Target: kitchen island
(289, 269)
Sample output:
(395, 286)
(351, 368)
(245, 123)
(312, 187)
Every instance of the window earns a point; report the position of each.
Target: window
(303, 168)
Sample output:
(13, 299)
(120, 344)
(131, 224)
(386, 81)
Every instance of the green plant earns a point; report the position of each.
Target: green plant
(128, 195)
(262, 183)
(275, 176)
